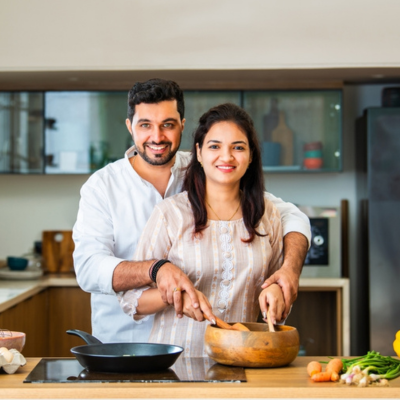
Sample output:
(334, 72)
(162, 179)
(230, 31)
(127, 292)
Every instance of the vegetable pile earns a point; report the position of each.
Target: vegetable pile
(372, 368)
(332, 370)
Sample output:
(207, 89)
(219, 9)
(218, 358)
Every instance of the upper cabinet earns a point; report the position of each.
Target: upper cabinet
(84, 131)
(79, 132)
(21, 132)
(298, 130)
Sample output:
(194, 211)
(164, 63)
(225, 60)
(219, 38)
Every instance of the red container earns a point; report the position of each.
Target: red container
(312, 163)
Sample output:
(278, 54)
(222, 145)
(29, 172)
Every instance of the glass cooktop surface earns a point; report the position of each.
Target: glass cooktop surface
(65, 370)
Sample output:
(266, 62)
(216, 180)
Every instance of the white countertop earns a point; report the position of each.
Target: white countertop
(13, 292)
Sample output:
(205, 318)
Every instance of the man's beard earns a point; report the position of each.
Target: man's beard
(160, 159)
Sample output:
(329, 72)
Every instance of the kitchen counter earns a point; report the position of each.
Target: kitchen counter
(13, 292)
(287, 382)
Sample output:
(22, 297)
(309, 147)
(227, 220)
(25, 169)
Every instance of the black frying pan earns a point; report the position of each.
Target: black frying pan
(123, 357)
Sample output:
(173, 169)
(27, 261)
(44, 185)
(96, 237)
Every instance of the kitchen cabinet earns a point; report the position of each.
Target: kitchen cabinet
(45, 318)
(84, 130)
(78, 132)
(30, 316)
(299, 131)
(21, 132)
(69, 308)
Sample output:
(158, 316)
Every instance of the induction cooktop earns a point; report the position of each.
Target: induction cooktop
(68, 370)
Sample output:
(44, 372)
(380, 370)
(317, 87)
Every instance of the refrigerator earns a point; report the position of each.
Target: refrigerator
(378, 192)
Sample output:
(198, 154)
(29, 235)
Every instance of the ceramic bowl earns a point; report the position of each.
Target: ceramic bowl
(12, 340)
(256, 348)
(17, 263)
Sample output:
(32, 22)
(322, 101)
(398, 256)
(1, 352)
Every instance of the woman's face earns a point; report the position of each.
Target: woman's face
(225, 154)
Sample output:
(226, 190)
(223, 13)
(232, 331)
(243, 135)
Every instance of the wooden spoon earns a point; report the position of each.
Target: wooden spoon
(224, 325)
(270, 324)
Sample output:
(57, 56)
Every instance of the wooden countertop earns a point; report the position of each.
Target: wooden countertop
(288, 382)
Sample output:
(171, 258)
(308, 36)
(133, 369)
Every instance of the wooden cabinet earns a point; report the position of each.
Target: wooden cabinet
(31, 317)
(69, 308)
(46, 316)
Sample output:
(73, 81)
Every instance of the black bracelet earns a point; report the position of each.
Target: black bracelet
(156, 267)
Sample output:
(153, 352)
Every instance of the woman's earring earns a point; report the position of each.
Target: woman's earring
(201, 164)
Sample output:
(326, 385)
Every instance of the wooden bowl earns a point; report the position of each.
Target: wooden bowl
(12, 340)
(257, 348)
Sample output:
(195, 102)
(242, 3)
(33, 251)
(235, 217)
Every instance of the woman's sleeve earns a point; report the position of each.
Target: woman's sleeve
(154, 243)
(129, 301)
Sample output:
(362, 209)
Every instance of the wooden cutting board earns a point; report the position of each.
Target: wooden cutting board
(283, 135)
(57, 249)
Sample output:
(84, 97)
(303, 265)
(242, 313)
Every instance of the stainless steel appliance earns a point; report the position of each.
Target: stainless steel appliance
(378, 186)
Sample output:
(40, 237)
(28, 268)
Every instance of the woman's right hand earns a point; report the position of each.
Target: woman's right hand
(197, 313)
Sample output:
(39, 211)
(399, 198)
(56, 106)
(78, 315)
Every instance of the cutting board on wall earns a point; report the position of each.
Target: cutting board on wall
(283, 135)
(57, 249)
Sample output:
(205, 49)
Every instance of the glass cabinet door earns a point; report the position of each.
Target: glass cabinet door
(196, 104)
(298, 130)
(84, 130)
(21, 132)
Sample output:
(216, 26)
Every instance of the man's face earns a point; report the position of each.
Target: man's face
(156, 130)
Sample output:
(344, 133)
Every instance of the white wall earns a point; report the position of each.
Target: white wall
(199, 34)
(30, 204)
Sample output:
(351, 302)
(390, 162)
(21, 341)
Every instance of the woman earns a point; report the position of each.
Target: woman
(221, 230)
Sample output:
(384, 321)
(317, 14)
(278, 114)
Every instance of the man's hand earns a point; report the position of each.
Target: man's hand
(171, 282)
(295, 247)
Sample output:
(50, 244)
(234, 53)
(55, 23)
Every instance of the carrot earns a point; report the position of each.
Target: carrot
(322, 376)
(314, 367)
(335, 377)
(335, 365)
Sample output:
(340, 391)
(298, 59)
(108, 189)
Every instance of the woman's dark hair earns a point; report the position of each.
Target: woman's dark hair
(252, 182)
(155, 91)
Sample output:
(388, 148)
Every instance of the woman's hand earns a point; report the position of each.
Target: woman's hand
(272, 298)
(197, 313)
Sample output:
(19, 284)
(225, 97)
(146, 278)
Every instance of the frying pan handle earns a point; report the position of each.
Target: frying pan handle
(87, 337)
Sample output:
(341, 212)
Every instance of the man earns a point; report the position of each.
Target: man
(117, 201)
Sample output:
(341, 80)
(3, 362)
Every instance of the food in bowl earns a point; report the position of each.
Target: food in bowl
(12, 340)
(257, 348)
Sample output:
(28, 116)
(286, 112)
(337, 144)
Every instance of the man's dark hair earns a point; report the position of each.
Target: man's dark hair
(155, 91)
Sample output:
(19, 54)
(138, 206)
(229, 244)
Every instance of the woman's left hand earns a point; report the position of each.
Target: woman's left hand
(197, 313)
(272, 298)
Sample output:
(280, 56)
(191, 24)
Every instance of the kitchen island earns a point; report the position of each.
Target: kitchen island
(286, 382)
